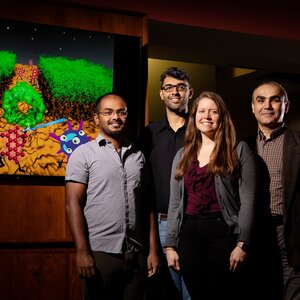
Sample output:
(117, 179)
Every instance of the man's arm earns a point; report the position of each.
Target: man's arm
(153, 258)
(75, 194)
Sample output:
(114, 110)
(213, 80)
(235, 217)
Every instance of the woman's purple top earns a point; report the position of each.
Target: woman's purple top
(200, 190)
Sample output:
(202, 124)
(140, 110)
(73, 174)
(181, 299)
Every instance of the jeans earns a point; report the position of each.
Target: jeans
(177, 278)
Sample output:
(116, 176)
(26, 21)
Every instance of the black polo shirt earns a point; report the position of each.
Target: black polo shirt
(159, 143)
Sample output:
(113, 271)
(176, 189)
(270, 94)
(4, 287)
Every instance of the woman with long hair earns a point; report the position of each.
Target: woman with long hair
(211, 210)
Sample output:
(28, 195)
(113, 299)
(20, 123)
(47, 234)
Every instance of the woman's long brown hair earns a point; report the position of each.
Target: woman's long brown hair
(223, 158)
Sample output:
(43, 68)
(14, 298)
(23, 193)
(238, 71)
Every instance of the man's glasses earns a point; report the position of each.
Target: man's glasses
(180, 87)
(110, 113)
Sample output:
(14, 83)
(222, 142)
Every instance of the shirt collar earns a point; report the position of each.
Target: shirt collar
(165, 124)
(274, 134)
(103, 142)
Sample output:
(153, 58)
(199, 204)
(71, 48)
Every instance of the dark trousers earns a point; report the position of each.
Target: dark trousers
(115, 279)
(291, 275)
(264, 272)
(205, 245)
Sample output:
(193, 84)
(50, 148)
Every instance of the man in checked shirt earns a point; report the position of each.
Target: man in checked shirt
(279, 149)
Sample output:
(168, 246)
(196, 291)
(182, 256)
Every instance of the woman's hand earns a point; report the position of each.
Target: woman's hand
(237, 258)
(172, 258)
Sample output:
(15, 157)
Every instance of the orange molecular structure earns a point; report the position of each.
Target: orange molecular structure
(15, 141)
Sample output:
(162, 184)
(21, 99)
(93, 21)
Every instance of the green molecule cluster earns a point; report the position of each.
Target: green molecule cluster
(23, 92)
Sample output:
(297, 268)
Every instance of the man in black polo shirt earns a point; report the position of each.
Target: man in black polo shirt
(160, 141)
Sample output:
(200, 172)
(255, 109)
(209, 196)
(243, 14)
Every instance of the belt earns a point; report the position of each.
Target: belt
(162, 217)
(277, 219)
(204, 216)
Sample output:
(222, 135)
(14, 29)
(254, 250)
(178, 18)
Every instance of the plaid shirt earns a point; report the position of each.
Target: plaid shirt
(271, 151)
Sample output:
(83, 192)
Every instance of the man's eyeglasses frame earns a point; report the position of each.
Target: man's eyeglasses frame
(180, 87)
(109, 113)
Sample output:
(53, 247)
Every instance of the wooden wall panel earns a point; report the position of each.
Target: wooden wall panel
(19, 277)
(53, 277)
(33, 214)
(74, 16)
(39, 274)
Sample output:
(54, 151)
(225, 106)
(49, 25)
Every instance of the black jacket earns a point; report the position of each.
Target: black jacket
(291, 193)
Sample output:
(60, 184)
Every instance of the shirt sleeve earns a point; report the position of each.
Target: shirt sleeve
(247, 192)
(77, 167)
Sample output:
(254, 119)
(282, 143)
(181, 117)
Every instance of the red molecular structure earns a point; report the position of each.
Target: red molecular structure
(34, 74)
(15, 141)
(20, 71)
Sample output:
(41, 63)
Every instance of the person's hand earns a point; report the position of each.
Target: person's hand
(85, 264)
(153, 263)
(172, 258)
(237, 258)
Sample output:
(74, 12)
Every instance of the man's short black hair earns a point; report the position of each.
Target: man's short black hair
(98, 101)
(175, 72)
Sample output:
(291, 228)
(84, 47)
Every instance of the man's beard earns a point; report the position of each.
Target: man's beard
(115, 133)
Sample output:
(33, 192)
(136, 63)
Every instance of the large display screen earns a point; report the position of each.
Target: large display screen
(50, 78)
